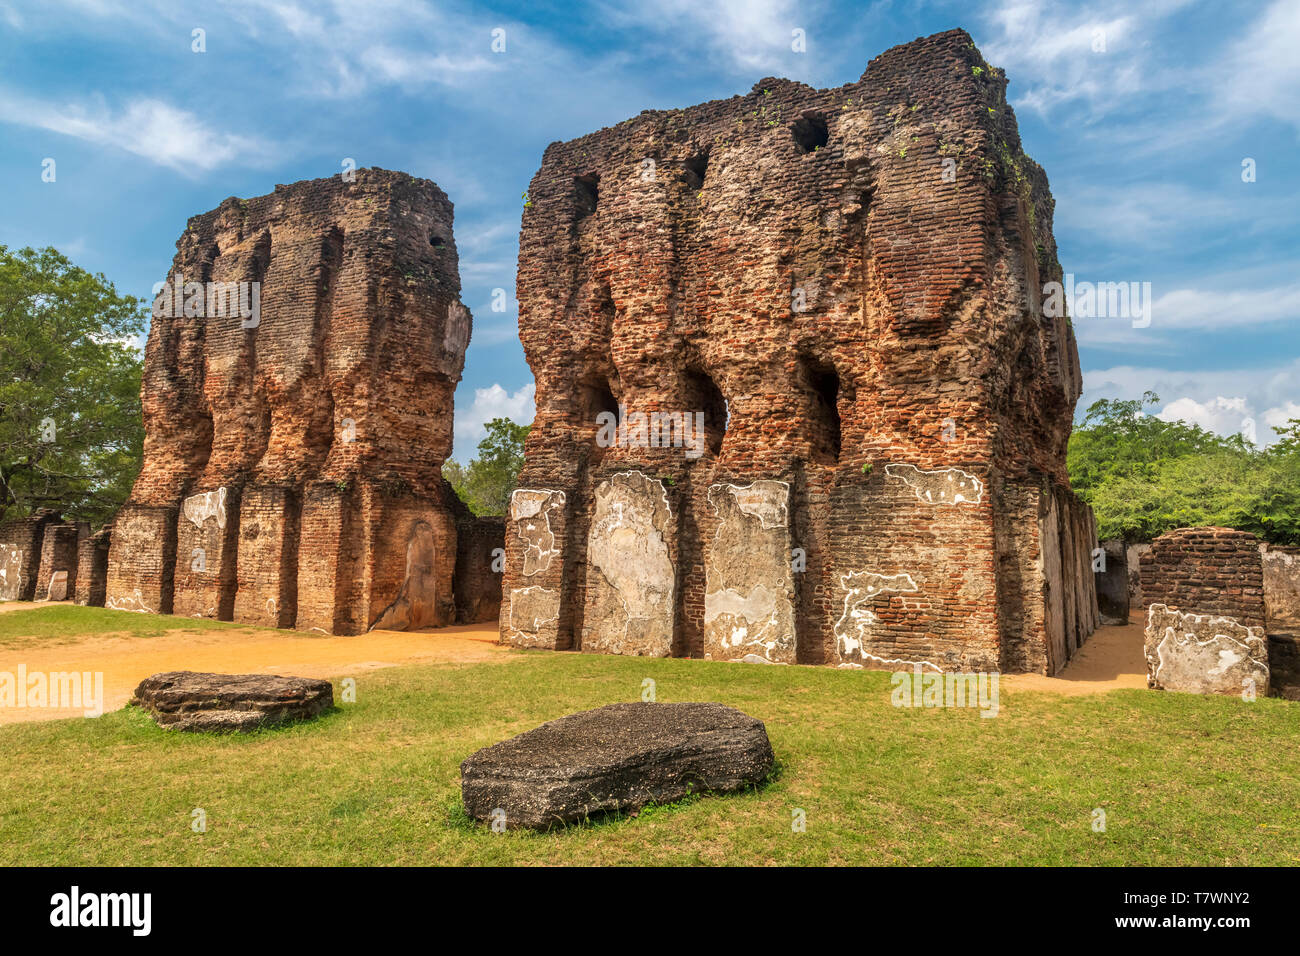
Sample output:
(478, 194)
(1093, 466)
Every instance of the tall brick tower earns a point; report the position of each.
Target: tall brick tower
(843, 289)
(297, 399)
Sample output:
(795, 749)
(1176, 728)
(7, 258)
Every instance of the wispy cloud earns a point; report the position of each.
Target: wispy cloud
(1260, 74)
(149, 128)
(1058, 54)
(753, 35)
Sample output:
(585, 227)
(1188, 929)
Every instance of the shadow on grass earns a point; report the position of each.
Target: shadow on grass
(140, 719)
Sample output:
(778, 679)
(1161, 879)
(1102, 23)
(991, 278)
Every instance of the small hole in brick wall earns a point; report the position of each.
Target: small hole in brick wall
(810, 132)
(588, 188)
(825, 384)
(696, 167)
(703, 395)
(437, 241)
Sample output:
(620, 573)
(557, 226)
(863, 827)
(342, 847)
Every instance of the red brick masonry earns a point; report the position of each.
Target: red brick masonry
(292, 465)
(846, 284)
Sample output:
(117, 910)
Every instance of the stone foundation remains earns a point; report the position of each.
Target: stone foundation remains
(1216, 617)
(798, 399)
(297, 401)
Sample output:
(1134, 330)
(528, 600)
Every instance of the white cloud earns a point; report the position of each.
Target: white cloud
(489, 403)
(1221, 400)
(1261, 72)
(754, 35)
(1223, 308)
(1047, 48)
(149, 128)
(1056, 54)
(1223, 416)
(1224, 302)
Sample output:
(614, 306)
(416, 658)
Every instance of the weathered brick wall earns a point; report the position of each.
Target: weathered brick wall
(479, 542)
(1282, 617)
(1281, 586)
(1206, 571)
(846, 283)
(58, 554)
(21, 542)
(92, 567)
(292, 460)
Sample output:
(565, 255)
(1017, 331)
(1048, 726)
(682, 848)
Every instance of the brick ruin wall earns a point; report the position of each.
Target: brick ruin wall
(1206, 571)
(846, 285)
(1228, 573)
(478, 568)
(57, 580)
(92, 568)
(22, 542)
(1281, 586)
(41, 550)
(292, 457)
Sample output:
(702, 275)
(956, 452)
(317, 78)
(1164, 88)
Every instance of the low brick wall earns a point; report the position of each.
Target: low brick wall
(58, 554)
(21, 541)
(1206, 571)
(92, 568)
(1220, 571)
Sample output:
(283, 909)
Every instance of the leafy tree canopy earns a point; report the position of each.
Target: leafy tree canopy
(486, 482)
(70, 427)
(1144, 476)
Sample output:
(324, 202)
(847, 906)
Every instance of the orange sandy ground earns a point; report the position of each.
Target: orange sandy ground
(125, 661)
(1111, 659)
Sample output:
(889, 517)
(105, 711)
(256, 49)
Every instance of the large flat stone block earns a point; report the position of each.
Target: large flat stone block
(618, 757)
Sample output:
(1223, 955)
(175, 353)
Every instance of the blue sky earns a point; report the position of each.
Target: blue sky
(1142, 115)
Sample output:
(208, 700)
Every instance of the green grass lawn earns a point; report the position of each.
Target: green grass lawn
(1182, 779)
(63, 623)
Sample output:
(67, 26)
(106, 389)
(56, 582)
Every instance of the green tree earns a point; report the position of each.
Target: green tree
(70, 427)
(486, 483)
(1144, 476)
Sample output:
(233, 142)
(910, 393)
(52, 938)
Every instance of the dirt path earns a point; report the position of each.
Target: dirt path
(1110, 660)
(125, 661)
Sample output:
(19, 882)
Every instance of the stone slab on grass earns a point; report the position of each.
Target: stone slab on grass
(617, 757)
(188, 700)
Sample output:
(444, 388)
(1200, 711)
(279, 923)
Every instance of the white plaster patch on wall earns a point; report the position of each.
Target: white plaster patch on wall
(626, 545)
(129, 602)
(943, 486)
(530, 511)
(1178, 632)
(209, 504)
(755, 621)
(765, 500)
(852, 630)
(532, 607)
(748, 615)
(10, 558)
